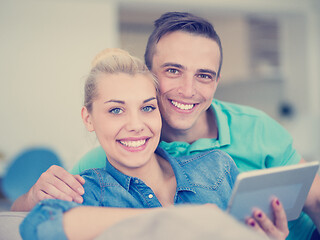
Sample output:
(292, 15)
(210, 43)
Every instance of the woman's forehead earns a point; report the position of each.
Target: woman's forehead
(126, 86)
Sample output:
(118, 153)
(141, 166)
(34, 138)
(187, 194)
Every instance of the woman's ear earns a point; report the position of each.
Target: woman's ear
(86, 118)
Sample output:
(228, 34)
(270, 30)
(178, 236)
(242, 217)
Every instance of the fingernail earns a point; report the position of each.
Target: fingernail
(259, 215)
(277, 202)
(80, 190)
(252, 224)
(79, 199)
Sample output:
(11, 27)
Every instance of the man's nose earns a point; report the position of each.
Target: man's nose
(187, 86)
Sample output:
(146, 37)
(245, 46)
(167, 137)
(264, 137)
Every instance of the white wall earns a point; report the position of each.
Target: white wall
(46, 47)
(45, 51)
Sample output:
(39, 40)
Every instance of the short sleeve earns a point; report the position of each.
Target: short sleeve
(277, 144)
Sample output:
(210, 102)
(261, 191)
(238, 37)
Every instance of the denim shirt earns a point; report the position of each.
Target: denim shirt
(207, 177)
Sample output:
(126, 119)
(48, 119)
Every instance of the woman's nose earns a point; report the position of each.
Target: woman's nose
(135, 123)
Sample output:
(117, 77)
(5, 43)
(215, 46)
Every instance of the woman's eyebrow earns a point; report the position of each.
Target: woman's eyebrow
(149, 99)
(115, 101)
(123, 102)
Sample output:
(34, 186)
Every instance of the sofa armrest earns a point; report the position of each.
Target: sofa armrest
(9, 224)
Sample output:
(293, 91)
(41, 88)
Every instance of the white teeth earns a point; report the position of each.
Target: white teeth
(182, 106)
(133, 143)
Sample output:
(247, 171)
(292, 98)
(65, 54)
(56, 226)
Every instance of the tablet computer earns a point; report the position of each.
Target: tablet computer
(290, 184)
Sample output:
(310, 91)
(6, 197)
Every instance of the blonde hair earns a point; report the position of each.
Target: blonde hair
(112, 61)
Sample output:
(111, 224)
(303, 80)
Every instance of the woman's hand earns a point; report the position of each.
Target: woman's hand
(277, 229)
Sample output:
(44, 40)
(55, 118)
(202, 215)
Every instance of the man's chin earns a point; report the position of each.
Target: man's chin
(178, 126)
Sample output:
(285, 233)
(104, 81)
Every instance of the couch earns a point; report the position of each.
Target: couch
(185, 222)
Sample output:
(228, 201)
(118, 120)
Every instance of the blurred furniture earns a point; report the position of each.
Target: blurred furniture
(25, 169)
(188, 222)
(9, 225)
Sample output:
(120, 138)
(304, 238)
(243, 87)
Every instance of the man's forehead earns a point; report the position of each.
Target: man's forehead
(184, 49)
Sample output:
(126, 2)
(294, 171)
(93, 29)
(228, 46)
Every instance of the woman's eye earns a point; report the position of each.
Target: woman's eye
(116, 111)
(148, 108)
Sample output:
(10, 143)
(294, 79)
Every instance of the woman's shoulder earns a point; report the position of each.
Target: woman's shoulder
(98, 176)
(212, 157)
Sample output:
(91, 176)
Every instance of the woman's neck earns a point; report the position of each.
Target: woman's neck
(159, 176)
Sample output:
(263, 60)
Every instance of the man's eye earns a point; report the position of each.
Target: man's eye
(205, 76)
(173, 71)
(148, 108)
(116, 111)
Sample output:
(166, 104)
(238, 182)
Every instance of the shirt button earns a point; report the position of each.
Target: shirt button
(136, 181)
(150, 196)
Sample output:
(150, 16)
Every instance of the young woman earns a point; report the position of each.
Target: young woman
(121, 108)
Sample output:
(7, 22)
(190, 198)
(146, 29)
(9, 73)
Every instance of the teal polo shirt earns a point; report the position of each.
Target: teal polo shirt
(249, 136)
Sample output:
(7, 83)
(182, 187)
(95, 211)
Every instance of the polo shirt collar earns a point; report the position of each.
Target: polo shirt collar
(178, 148)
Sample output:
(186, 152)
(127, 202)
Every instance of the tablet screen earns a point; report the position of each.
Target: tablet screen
(290, 184)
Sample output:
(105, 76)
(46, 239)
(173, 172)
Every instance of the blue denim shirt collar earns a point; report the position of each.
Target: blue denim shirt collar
(183, 182)
(124, 180)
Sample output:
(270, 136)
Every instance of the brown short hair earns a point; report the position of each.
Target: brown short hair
(180, 21)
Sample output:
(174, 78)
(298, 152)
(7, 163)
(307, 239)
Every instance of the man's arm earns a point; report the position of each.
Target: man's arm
(55, 183)
(312, 204)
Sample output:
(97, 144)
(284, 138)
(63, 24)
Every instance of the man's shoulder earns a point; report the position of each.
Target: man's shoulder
(237, 109)
(95, 158)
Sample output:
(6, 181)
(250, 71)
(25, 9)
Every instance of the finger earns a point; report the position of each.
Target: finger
(253, 225)
(41, 195)
(36, 195)
(280, 216)
(49, 187)
(67, 178)
(79, 179)
(57, 188)
(265, 223)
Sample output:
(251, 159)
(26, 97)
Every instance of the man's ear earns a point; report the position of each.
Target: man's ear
(86, 118)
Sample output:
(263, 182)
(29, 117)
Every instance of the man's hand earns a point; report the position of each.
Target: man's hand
(55, 183)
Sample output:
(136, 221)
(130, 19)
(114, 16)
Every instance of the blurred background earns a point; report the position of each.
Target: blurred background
(271, 62)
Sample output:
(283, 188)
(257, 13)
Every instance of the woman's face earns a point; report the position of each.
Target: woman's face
(126, 119)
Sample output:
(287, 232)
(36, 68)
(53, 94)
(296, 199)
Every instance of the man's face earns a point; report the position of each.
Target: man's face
(186, 66)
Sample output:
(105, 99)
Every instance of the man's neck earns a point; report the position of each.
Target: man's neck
(205, 127)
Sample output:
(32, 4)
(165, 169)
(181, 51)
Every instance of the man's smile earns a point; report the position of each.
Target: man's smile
(182, 106)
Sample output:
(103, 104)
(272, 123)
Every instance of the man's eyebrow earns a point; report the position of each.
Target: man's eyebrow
(207, 71)
(169, 64)
(149, 99)
(115, 101)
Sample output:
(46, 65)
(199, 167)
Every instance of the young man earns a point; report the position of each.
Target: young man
(185, 53)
